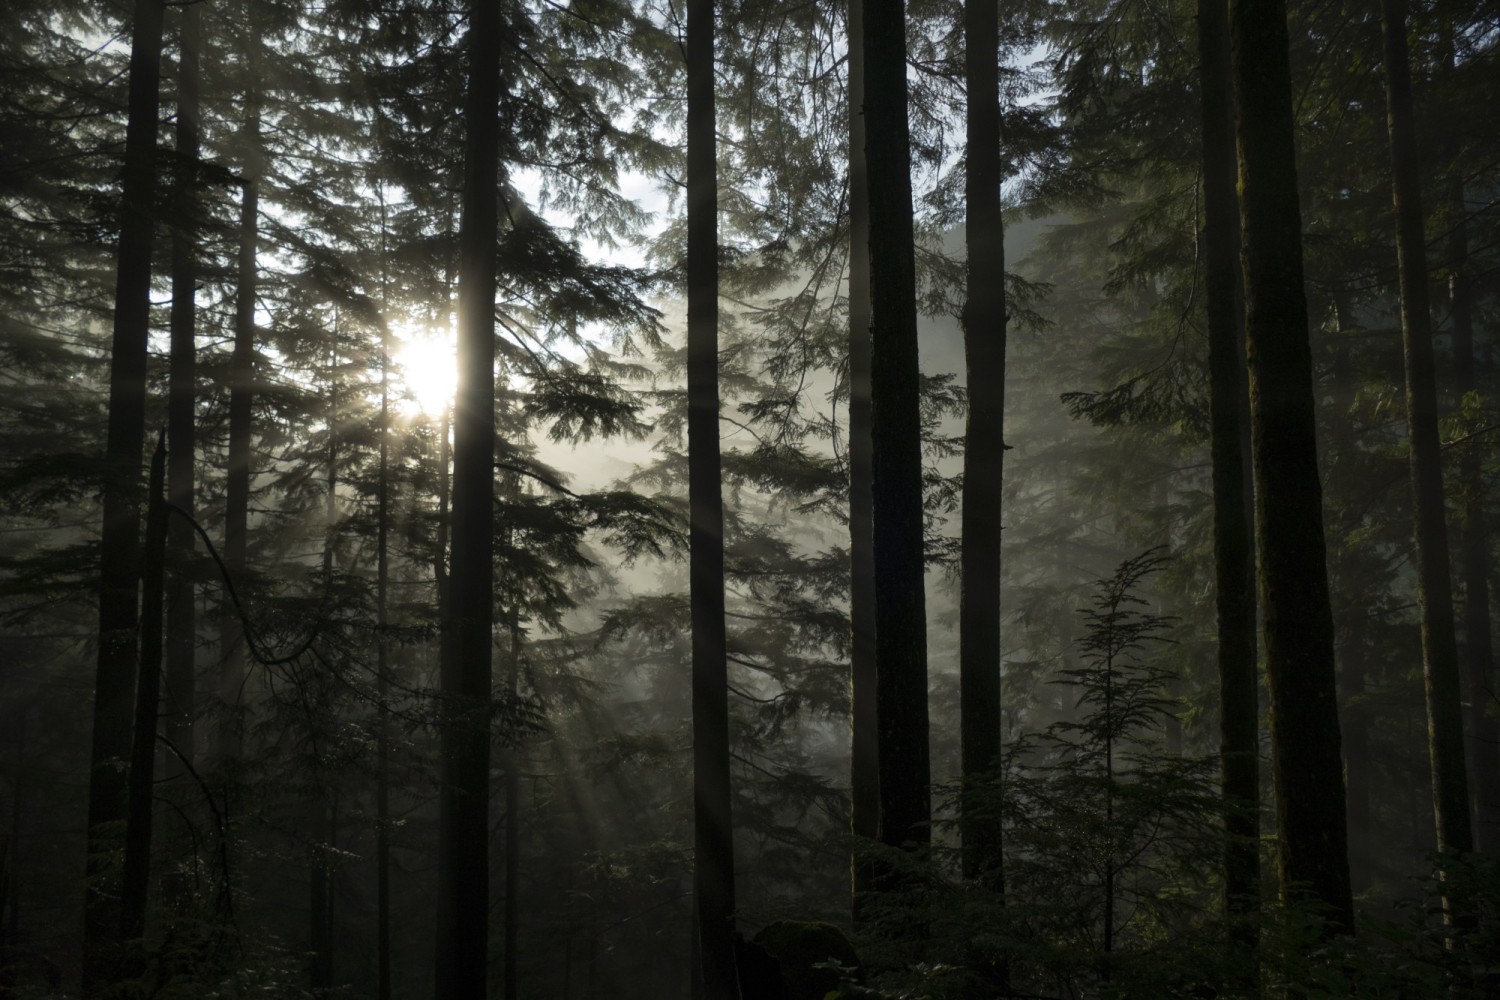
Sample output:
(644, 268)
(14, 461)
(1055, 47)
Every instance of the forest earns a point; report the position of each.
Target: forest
(749, 500)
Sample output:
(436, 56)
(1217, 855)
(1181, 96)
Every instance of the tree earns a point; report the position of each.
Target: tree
(463, 847)
(896, 433)
(984, 323)
(1306, 758)
(713, 826)
(1440, 673)
(1234, 532)
(119, 569)
(864, 776)
(181, 682)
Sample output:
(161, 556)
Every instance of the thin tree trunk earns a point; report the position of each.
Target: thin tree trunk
(901, 645)
(463, 818)
(984, 447)
(181, 399)
(1307, 762)
(237, 484)
(1478, 648)
(864, 774)
(1479, 655)
(1440, 673)
(383, 656)
(713, 825)
(511, 976)
(137, 878)
(114, 684)
(1234, 530)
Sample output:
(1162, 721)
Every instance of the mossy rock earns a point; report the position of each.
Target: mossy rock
(801, 946)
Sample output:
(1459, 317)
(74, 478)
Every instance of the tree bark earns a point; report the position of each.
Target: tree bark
(115, 677)
(512, 969)
(1306, 755)
(136, 882)
(181, 400)
(1440, 673)
(713, 822)
(1234, 530)
(463, 819)
(895, 382)
(1479, 654)
(237, 484)
(864, 775)
(984, 446)
(383, 654)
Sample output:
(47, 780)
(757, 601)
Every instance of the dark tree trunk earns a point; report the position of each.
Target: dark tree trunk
(895, 382)
(237, 484)
(1440, 674)
(1479, 655)
(119, 570)
(1234, 531)
(136, 882)
(864, 774)
(1307, 761)
(181, 399)
(984, 445)
(383, 656)
(512, 968)
(463, 819)
(713, 825)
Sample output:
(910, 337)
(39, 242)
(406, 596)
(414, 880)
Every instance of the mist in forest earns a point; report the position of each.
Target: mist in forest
(640, 499)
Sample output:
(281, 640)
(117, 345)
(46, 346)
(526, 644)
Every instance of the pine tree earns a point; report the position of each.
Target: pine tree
(1306, 760)
(901, 639)
(119, 547)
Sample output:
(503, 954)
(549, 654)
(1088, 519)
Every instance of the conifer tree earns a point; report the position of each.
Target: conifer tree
(1306, 760)
(1440, 671)
(901, 639)
(119, 568)
(463, 848)
(984, 323)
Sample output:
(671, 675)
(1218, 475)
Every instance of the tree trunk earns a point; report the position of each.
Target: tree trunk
(984, 446)
(114, 684)
(137, 878)
(1234, 531)
(237, 484)
(1440, 674)
(511, 977)
(1479, 656)
(895, 382)
(713, 824)
(1306, 756)
(864, 775)
(181, 399)
(463, 818)
(383, 655)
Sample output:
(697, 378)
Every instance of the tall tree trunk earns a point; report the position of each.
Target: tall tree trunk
(511, 977)
(114, 684)
(984, 445)
(1479, 655)
(1478, 649)
(1234, 531)
(1445, 735)
(237, 484)
(136, 882)
(383, 653)
(864, 774)
(181, 399)
(713, 824)
(463, 818)
(895, 380)
(1306, 756)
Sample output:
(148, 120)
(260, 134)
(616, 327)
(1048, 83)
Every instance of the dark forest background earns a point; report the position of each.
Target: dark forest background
(756, 499)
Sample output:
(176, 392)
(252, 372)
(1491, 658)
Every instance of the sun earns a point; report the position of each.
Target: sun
(427, 367)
